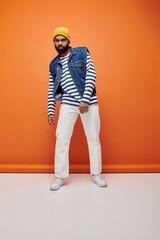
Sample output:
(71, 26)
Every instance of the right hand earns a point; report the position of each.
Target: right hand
(51, 120)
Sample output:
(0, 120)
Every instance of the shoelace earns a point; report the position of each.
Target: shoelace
(57, 180)
(99, 177)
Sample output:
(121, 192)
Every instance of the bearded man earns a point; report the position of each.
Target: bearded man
(72, 81)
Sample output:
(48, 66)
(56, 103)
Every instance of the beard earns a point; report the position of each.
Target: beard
(62, 50)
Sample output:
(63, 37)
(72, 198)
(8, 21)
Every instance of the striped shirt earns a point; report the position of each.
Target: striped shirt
(71, 95)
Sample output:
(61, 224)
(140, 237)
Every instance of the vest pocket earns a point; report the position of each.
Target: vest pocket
(79, 64)
(80, 68)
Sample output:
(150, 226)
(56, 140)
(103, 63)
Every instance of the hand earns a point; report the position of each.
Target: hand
(83, 107)
(51, 120)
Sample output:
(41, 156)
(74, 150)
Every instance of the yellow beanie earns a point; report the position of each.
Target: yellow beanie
(62, 31)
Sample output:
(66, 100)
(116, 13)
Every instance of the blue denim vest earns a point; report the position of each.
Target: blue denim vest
(77, 68)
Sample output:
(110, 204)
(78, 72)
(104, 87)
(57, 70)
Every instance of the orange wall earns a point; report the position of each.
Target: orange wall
(123, 38)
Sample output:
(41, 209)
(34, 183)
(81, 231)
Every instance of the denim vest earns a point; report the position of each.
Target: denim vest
(77, 68)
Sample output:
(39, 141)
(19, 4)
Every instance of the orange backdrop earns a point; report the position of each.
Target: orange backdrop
(123, 38)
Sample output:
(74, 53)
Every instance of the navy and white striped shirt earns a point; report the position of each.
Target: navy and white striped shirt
(70, 93)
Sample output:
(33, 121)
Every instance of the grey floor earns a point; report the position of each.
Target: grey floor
(128, 209)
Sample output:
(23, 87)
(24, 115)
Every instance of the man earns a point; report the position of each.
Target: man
(72, 81)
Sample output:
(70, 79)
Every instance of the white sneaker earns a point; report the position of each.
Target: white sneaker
(56, 184)
(98, 179)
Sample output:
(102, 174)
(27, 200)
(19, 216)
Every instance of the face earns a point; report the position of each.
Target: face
(61, 44)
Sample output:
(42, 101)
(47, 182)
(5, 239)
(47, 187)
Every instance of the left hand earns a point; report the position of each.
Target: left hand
(83, 107)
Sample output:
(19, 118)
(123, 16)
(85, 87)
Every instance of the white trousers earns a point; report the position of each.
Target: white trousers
(67, 117)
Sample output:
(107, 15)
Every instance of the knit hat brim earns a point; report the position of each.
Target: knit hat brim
(62, 31)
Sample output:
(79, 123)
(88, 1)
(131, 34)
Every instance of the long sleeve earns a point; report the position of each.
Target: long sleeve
(51, 100)
(90, 80)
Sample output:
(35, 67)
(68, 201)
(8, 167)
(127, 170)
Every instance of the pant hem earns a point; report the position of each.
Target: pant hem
(96, 173)
(64, 176)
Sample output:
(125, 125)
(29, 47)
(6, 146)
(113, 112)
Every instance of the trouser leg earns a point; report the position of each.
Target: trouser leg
(66, 121)
(91, 124)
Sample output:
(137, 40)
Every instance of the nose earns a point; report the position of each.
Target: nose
(60, 43)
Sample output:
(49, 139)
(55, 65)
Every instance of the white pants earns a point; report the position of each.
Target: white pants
(67, 117)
